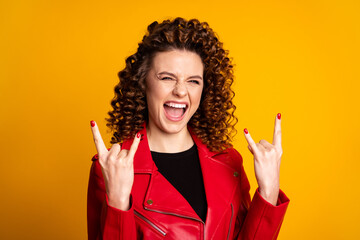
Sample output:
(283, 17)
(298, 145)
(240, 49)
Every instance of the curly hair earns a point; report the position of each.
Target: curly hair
(214, 120)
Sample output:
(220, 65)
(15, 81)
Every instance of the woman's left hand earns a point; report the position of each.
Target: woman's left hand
(267, 158)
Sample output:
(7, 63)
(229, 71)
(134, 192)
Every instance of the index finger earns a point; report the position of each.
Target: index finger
(99, 143)
(277, 131)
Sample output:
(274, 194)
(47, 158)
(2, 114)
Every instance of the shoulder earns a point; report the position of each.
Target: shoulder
(230, 157)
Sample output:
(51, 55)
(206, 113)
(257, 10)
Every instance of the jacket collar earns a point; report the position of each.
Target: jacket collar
(220, 180)
(145, 164)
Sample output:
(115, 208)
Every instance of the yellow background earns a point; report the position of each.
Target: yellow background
(59, 63)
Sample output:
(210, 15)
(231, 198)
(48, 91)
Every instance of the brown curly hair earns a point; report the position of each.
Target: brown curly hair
(214, 120)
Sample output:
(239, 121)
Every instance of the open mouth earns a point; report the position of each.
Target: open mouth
(175, 111)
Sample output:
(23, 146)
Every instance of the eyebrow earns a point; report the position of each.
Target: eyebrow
(171, 74)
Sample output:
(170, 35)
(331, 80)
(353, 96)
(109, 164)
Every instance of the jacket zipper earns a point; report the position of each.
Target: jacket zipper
(232, 214)
(149, 222)
(174, 214)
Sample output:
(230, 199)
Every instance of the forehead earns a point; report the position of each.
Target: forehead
(180, 62)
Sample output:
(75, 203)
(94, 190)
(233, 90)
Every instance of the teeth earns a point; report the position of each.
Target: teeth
(174, 105)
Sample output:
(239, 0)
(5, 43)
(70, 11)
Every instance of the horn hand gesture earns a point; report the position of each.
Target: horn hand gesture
(267, 158)
(117, 168)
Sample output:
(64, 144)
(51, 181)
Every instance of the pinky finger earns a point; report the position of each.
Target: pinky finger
(250, 141)
(135, 145)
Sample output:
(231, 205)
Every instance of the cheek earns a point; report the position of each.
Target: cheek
(149, 99)
(197, 96)
(154, 98)
(156, 90)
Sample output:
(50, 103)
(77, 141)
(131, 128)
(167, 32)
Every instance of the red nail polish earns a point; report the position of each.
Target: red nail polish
(279, 115)
(246, 131)
(92, 123)
(138, 135)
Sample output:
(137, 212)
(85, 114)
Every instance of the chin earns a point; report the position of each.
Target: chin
(173, 128)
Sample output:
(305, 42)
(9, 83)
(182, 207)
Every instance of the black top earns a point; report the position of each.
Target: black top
(183, 171)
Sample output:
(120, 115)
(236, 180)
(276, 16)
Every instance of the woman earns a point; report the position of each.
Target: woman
(174, 174)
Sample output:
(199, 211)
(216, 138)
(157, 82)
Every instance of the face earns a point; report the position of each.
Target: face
(173, 90)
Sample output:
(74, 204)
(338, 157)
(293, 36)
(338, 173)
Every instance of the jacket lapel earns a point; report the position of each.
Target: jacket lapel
(161, 196)
(220, 182)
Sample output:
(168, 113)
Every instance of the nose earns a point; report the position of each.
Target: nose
(180, 89)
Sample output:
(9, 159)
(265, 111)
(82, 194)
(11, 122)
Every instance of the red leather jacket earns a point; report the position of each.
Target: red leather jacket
(159, 211)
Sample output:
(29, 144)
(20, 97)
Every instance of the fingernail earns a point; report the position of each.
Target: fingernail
(92, 123)
(246, 131)
(279, 115)
(138, 135)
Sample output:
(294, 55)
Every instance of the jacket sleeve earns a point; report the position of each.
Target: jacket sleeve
(103, 221)
(258, 219)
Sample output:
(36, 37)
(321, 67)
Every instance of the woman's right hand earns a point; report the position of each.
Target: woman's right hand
(117, 168)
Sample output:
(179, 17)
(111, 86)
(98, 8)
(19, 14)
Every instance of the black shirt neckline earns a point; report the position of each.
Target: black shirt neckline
(187, 152)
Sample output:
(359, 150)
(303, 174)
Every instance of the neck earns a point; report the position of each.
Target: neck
(160, 141)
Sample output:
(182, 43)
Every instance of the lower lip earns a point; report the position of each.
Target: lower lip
(175, 119)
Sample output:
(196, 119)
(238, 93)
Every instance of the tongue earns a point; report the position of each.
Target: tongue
(174, 112)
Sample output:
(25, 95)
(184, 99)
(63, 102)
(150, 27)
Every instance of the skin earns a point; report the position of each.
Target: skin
(117, 166)
(175, 76)
(183, 82)
(267, 159)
